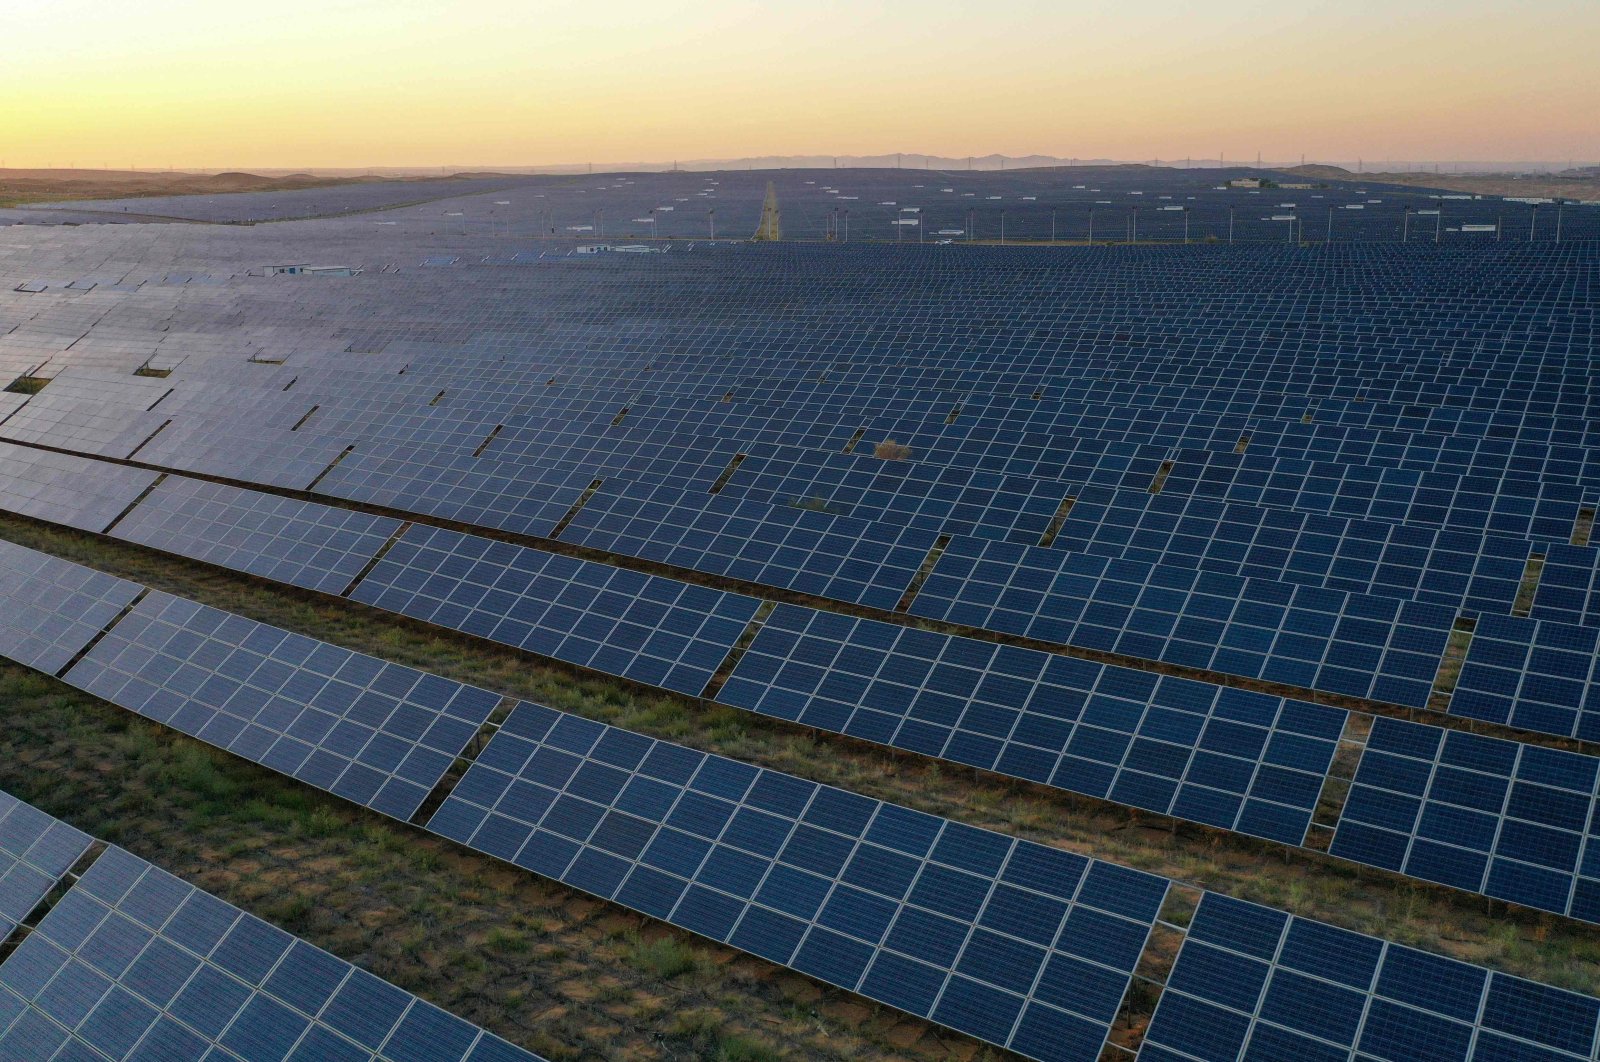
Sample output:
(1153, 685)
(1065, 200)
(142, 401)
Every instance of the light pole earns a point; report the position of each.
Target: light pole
(1052, 224)
(847, 225)
(1002, 228)
(1185, 224)
(711, 219)
(1405, 226)
(1292, 223)
(1329, 237)
(1438, 224)
(1133, 215)
(1091, 226)
(1559, 204)
(1533, 217)
(1230, 226)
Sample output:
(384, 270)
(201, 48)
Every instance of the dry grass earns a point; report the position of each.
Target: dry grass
(889, 450)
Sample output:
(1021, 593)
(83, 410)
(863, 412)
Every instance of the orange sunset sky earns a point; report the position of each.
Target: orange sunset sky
(361, 83)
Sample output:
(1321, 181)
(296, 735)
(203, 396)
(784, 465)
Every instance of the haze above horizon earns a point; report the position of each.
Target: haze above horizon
(358, 83)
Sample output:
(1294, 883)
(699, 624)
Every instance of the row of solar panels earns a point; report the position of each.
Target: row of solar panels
(1170, 205)
(1289, 631)
(488, 489)
(1336, 367)
(1013, 942)
(1224, 757)
(992, 505)
(1043, 441)
(131, 963)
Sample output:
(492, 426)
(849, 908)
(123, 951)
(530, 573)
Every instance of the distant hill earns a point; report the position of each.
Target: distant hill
(45, 186)
(1569, 184)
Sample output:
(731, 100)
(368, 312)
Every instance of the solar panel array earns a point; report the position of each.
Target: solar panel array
(1533, 674)
(1357, 644)
(1015, 943)
(134, 964)
(54, 608)
(373, 732)
(1479, 813)
(1254, 983)
(1225, 757)
(1312, 466)
(659, 631)
(36, 852)
(913, 205)
(302, 543)
(811, 551)
(64, 489)
(1010, 941)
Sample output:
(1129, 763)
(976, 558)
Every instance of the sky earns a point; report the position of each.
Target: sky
(355, 83)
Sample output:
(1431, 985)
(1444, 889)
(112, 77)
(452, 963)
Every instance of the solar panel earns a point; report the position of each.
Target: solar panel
(54, 607)
(135, 964)
(1568, 591)
(68, 490)
(860, 561)
(1013, 942)
(1483, 814)
(1225, 757)
(1408, 561)
(643, 627)
(36, 851)
(1312, 637)
(1532, 674)
(301, 543)
(1258, 984)
(373, 732)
